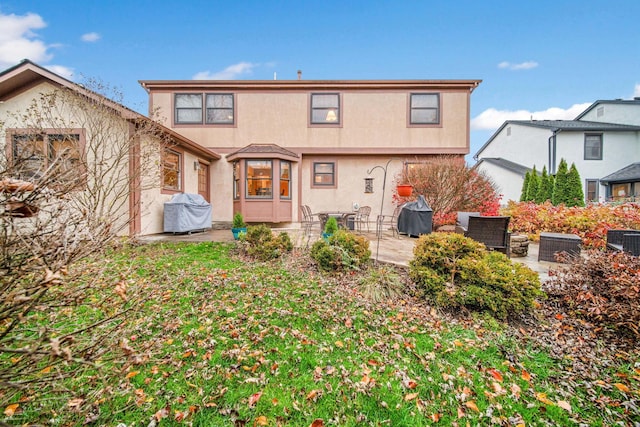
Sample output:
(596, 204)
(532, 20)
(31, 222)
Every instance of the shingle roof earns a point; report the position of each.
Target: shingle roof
(562, 125)
(575, 125)
(626, 174)
(506, 164)
(634, 101)
(262, 150)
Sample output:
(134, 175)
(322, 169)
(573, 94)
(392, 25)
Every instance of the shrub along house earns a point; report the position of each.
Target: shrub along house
(45, 117)
(287, 143)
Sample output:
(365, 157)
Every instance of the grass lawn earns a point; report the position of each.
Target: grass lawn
(193, 333)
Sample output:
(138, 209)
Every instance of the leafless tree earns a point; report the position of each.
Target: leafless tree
(74, 163)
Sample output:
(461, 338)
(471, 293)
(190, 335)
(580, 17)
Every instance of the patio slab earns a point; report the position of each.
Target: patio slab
(392, 250)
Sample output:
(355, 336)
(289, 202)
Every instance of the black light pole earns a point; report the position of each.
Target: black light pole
(384, 184)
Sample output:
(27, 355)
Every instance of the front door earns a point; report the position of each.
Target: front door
(203, 181)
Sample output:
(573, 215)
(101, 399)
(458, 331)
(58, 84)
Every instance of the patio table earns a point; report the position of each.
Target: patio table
(341, 216)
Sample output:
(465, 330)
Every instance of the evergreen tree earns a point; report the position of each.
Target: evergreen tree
(560, 190)
(545, 190)
(525, 186)
(534, 184)
(575, 194)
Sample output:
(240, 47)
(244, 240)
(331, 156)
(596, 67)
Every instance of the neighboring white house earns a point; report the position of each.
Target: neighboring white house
(603, 142)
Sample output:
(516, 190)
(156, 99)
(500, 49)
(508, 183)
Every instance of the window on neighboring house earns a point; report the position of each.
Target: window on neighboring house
(259, 179)
(620, 192)
(236, 180)
(34, 154)
(325, 108)
(324, 174)
(171, 170)
(593, 146)
(285, 180)
(425, 109)
(592, 190)
(219, 108)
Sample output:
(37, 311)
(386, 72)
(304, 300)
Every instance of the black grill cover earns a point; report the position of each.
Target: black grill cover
(415, 218)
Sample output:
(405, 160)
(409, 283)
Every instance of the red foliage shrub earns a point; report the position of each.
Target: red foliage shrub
(603, 287)
(590, 223)
(449, 185)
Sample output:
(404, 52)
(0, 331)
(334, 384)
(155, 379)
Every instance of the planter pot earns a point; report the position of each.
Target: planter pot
(236, 232)
(405, 190)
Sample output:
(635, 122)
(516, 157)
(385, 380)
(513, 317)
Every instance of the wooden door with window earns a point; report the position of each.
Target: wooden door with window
(203, 181)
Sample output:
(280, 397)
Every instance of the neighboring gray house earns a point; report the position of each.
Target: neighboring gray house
(603, 142)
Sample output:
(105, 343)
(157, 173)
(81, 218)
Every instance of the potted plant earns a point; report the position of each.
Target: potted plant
(238, 226)
(405, 190)
(330, 227)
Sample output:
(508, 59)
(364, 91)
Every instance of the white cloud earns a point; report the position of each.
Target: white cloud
(636, 90)
(527, 65)
(18, 40)
(492, 119)
(230, 73)
(61, 70)
(90, 37)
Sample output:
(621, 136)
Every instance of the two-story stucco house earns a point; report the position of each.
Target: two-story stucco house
(603, 142)
(287, 143)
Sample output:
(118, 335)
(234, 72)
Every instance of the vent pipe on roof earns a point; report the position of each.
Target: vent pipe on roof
(299, 75)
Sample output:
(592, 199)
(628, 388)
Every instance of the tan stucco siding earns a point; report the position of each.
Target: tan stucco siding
(368, 120)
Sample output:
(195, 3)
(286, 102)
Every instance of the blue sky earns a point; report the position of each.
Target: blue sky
(539, 59)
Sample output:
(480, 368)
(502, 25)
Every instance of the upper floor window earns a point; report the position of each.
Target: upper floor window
(208, 108)
(593, 146)
(324, 174)
(325, 108)
(171, 170)
(37, 153)
(425, 109)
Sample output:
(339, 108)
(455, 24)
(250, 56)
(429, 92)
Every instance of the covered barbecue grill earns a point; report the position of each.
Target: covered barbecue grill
(415, 218)
(186, 213)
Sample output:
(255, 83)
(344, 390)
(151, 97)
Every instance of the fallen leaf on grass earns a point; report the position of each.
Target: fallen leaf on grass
(471, 405)
(542, 397)
(254, 398)
(526, 376)
(312, 395)
(410, 396)
(11, 409)
(495, 374)
(261, 421)
(339, 344)
(623, 388)
(132, 374)
(435, 417)
(318, 422)
(564, 405)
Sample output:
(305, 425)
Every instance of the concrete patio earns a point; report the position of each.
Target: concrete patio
(391, 249)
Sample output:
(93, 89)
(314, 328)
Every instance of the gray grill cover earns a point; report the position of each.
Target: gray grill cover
(415, 218)
(186, 212)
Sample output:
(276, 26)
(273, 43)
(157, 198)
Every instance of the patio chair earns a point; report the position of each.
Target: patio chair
(462, 222)
(362, 218)
(390, 221)
(308, 220)
(492, 231)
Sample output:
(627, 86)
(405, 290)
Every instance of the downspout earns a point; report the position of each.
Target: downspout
(552, 152)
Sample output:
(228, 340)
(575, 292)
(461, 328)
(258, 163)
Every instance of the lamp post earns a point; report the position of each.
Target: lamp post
(369, 188)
